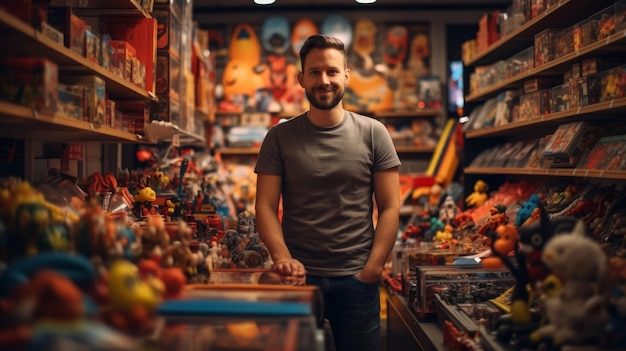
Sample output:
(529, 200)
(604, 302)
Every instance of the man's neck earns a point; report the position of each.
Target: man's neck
(326, 118)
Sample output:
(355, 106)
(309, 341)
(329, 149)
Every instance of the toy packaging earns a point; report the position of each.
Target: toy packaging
(30, 82)
(95, 96)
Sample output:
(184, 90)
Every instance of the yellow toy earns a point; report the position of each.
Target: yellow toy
(479, 196)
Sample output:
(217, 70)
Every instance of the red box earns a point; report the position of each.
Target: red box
(122, 59)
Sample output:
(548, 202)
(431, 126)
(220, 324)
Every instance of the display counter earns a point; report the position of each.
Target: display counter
(406, 332)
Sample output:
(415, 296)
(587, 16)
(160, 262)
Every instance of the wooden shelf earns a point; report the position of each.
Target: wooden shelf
(559, 172)
(26, 123)
(563, 14)
(615, 43)
(33, 43)
(113, 7)
(158, 131)
(606, 108)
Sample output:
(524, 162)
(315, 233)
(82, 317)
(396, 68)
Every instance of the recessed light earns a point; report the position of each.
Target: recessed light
(366, 1)
(264, 2)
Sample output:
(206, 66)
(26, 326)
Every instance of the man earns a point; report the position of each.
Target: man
(326, 164)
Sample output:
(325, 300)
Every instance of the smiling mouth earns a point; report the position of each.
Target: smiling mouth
(231, 82)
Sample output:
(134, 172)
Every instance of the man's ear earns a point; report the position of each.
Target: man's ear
(300, 76)
(347, 77)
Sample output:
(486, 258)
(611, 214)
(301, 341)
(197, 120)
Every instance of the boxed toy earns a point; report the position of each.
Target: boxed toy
(122, 59)
(460, 283)
(93, 47)
(560, 98)
(71, 99)
(135, 113)
(520, 63)
(166, 109)
(563, 43)
(610, 81)
(30, 82)
(168, 76)
(169, 33)
(545, 43)
(95, 96)
(73, 27)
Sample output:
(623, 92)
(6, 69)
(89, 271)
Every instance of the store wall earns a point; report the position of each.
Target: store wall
(437, 21)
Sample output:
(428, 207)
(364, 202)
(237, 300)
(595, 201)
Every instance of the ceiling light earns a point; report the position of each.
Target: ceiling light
(264, 2)
(366, 1)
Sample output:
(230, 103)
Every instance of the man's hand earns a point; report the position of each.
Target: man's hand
(289, 267)
(369, 275)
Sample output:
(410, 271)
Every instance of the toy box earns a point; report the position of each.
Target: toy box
(30, 82)
(545, 46)
(169, 80)
(563, 43)
(520, 63)
(52, 33)
(72, 27)
(620, 15)
(139, 73)
(95, 96)
(559, 98)
(122, 59)
(461, 284)
(169, 33)
(107, 53)
(530, 106)
(135, 113)
(610, 83)
(599, 26)
(93, 47)
(110, 114)
(71, 99)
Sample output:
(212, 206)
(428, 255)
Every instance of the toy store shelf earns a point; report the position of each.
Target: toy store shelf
(34, 44)
(239, 150)
(615, 43)
(559, 172)
(562, 14)
(112, 7)
(607, 108)
(430, 112)
(415, 149)
(159, 131)
(26, 123)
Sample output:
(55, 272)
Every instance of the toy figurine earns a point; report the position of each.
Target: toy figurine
(448, 210)
(526, 210)
(131, 300)
(578, 313)
(497, 217)
(144, 197)
(479, 196)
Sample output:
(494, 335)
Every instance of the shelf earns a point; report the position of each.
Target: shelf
(112, 7)
(606, 108)
(415, 149)
(560, 172)
(562, 15)
(159, 131)
(25, 123)
(615, 43)
(34, 44)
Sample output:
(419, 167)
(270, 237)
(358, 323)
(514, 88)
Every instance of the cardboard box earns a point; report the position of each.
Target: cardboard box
(30, 82)
(169, 30)
(122, 60)
(95, 96)
(73, 27)
(169, 79)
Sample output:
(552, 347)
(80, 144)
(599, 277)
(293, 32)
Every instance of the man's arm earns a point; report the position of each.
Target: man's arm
(387, 195)
(268, 226)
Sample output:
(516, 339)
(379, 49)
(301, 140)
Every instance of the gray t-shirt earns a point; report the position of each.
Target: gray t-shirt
(327, 188)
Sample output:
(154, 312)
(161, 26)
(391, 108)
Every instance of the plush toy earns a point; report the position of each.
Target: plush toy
(578, 313)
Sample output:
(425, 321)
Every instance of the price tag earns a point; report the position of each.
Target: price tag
(176, 140)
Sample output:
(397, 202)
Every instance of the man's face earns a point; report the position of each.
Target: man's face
(324, 77)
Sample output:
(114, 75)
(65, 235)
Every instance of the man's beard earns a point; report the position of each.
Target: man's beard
(324, 105)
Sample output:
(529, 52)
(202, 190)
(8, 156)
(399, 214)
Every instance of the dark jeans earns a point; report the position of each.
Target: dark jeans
(352, 308)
